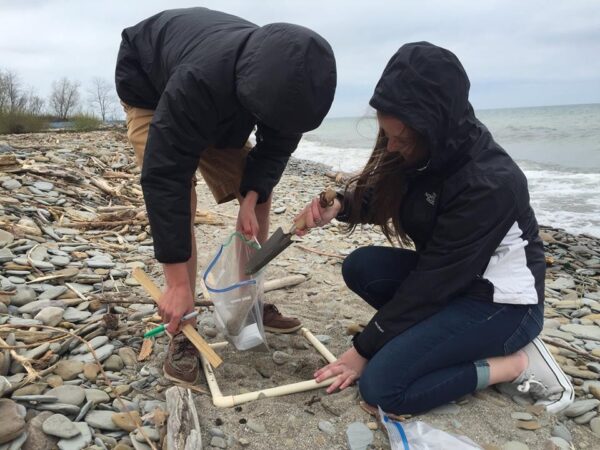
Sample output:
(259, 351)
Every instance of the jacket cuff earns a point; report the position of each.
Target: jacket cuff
(344, 214)
(359, 348)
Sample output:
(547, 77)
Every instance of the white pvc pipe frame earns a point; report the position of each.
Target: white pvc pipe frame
(225, 401)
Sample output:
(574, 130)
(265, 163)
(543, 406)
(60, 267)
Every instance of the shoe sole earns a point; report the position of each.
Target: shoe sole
(568, 395)
(178, 380)
(282, 330)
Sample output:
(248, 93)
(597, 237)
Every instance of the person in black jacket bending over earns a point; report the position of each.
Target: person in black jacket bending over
(194, 83)
(462, 311)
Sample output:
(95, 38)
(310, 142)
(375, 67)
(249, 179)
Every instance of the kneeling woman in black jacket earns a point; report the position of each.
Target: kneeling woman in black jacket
(461, 311)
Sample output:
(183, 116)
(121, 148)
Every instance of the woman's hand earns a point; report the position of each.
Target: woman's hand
(316, 216)
(347, 368)
(247, 224)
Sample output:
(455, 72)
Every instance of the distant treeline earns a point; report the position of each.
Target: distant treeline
(22, 110)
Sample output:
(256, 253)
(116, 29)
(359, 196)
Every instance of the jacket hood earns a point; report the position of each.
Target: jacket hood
(427, 88)
(286, 77)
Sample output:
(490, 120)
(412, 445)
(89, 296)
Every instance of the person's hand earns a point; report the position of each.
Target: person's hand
(176, 301)
(316, 216)
(247, 224)
(347, 370)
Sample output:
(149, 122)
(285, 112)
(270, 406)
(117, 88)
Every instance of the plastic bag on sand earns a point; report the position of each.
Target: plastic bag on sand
(237, 297)
(421, 436)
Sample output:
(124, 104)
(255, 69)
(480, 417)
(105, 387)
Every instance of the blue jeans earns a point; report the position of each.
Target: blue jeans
(435, 361)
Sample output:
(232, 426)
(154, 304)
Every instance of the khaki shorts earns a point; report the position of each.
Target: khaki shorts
(221, 169)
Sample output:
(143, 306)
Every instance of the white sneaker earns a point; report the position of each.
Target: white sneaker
(544, 380)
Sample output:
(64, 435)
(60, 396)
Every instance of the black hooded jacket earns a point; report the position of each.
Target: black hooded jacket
(211, 78)
(468, 212)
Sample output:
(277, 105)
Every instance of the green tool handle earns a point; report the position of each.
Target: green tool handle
(154, 331)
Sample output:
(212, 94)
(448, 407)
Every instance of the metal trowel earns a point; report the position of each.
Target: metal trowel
(280, 240)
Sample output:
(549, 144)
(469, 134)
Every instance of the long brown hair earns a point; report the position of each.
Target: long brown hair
(376, 193)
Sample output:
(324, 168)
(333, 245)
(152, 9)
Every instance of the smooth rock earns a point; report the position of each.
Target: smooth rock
(152, 434)
(95, 343)
(126, 420)
(280, 357)
(90, 371)
(218, 442)
(580, 407)
(256, 426)
(327, 427)
(359, 436)
(96, 396)
(521, 416)
(595, 425)
(128, 356)
(585, 418)
(582, 331)
(103, 352)
(23, 296)
(559, 430)
(450, 408)
(6, 238)
(560, 443)
(36, 438)
(72, 395)
(74, 315)
(62, 408)
(101, 420)
(50, 316)
(68, 369)
(114, 363)
(60, 426)
(79, 442)
(4, 385)
(53, 292)
(12, 418)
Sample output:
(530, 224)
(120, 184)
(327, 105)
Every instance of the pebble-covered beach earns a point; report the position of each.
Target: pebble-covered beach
(73, 228)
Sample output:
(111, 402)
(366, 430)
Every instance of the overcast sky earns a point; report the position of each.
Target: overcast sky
(517, 53)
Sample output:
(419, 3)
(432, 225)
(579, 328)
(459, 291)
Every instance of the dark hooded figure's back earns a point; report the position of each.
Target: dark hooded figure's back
(239, 62)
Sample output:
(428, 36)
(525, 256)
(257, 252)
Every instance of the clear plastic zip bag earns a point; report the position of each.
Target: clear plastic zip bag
(419, 435)
(237, 297)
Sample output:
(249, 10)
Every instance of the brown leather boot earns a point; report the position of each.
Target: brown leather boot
(181, 363)
(275, 322)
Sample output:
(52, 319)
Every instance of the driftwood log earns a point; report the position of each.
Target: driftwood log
(183, 426)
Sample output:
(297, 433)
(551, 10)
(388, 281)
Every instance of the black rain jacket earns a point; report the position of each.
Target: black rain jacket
(211, 78)
(460, 209)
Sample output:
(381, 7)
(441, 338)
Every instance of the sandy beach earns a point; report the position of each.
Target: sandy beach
(309, 420)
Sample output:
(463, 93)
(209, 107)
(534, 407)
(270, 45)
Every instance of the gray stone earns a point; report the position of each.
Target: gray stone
(595, 425)
(35, 398)
(95, 343)
(558, 334)
(559, 430)
(6, 255)
(11, 184)
(521, 416)
(326, 427)
(52, 292)
(561, 283)
(36, 306)
(80, 441)
(218, 442)
(585, 418)
(84, 410)
(152, 434)
(36, 438)
(100, 263)
(60, 426)
(103, 352)
(280, 357)
(114, 363)
(323, 338)
(72, 395)
(256, 426)
(101, 420)
(60, 261)
(359, 436)
(128, 356)
(6, 238)
(560, 443)
(580, 407)
(583, 331)
(74, 315)
(43, 186)
(16, 444)
(96, 396)
(62, 408)
(51, 316)
(68, 369)
(12, 419)
(23, 296)
(24, 322)
(214, 431)
(4, 384)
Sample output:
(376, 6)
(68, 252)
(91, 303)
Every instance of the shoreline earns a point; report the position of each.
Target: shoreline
(104, 257)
